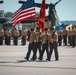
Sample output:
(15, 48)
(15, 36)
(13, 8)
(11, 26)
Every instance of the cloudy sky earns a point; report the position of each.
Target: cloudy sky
(66, 9)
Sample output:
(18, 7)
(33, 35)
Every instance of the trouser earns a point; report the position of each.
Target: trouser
(65, 39)
(60, 40)
(36, 46)
(20, 31)
(73, 40)
(15, 40)
(5, 39)
(30, 48)
(8, 40)
(23, 40)
(1, 40)
(70, 40)
(53, 46)
(44, 47)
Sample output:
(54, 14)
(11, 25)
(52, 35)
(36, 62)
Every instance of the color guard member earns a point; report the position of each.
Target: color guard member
(31, 43)
(53, 45)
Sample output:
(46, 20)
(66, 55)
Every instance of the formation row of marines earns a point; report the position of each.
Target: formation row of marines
(65, 37)
(47, 40)
(43, 42)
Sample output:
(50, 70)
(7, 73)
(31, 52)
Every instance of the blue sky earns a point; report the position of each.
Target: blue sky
(65, 9)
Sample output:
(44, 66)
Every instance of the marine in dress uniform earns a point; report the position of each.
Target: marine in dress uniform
(37, 45)
(59, 33)
(69, 36)
(1, 36)
(16, 35)
(44, 36)
(53, 45)
(5, 35)
(24, 35)
(31, 44)
(75, 36)
(8, 37)
(64, 37)
(73, 33)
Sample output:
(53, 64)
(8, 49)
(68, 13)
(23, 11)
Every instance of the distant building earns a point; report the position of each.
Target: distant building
(1, 13)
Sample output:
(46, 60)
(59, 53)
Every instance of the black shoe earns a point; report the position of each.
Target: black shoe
(57, 60)
(26, 58)
(22, 44)
(33, 59)
(40, 58)
(73, 46)
(48, 59)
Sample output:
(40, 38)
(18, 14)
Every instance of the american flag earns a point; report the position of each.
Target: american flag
(26, 11)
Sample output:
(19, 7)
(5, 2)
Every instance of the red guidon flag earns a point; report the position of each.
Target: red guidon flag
(26, 11)
(41, 19)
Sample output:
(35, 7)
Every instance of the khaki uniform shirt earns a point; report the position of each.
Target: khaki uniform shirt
(44, 37)
(1, 32)
(73, 32)
(16, 33)
(64, 32)
(31, 38)
(53, 38)
(59, 33)
(37, 36)
(24, 33)
(69, 33)
(9, 33)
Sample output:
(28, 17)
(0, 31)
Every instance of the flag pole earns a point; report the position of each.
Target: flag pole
(41, 19)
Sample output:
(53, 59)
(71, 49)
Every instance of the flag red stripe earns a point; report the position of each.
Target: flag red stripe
(16, 16)
(19, 10)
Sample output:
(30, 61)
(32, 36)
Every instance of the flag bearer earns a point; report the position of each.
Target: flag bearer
(53, 45)
(37, 43)
(31, 43)
(44, 37)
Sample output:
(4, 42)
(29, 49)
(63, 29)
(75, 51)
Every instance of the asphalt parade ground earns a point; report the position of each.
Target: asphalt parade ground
(12, 62)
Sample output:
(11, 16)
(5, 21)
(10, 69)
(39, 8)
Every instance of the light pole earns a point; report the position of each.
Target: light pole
(1, 1)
